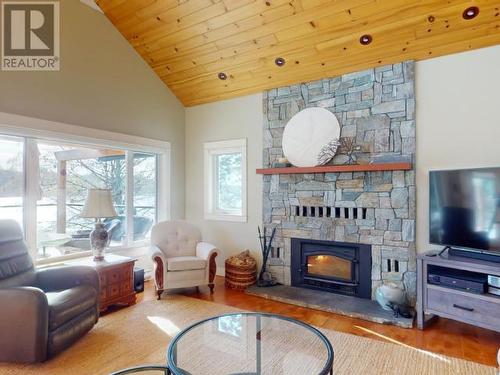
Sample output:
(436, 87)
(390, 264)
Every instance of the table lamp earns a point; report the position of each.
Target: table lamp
(99, 204)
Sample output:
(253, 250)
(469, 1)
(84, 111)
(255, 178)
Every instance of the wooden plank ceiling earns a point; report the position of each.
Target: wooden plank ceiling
(189, 43)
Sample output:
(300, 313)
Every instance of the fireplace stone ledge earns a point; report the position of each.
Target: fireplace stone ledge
(353, 307)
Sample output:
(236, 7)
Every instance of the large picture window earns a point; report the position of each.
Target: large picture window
(44, 185)
(225, 180)
(66, 173)
(11, 178)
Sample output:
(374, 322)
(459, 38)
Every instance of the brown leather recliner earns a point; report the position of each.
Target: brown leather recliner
(42, 311)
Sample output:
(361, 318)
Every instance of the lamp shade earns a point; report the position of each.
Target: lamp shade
(99, 204)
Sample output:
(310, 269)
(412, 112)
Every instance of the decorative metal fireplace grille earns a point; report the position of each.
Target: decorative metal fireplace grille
(337, 267)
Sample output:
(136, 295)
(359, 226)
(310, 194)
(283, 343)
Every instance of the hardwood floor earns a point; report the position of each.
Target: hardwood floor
(444, 336)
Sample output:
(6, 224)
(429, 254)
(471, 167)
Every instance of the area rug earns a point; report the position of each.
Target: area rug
(140, 335)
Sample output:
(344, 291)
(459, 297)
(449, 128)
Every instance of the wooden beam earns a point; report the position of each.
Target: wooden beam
(84, 153)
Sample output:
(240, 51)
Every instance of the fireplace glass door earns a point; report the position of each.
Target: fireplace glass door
(329, 266)
(337, 267)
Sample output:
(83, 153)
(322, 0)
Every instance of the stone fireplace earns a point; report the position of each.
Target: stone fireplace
(375, 109)
(338, 267)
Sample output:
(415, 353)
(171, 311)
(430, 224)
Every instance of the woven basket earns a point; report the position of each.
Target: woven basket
(240, 276)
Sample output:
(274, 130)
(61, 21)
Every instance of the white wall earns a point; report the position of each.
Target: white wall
(457, 119)
(229, 119)
(103, 84)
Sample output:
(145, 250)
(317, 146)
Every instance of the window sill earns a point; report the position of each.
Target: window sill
(45, 262)
(220, 217)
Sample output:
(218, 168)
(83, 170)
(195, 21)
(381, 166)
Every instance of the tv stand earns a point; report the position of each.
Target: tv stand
(482, 310)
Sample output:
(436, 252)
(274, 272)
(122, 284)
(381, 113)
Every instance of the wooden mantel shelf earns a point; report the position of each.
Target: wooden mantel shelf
(339, 168)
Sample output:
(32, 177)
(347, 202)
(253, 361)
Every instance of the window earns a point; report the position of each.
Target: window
(225, 180)
(145, 190)
(44, 184)
(66, 172)
(11, 178)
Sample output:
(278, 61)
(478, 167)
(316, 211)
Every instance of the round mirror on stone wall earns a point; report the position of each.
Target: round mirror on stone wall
(311, 137)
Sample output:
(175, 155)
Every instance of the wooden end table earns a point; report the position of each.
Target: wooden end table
(116, 275)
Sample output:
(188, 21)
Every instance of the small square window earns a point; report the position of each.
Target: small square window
(225, 180)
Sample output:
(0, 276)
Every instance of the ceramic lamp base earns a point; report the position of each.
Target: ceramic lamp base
(98, 241)
(98, 257)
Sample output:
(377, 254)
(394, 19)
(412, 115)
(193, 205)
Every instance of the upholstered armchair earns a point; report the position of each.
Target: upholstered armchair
(42, 311)
(180, 258)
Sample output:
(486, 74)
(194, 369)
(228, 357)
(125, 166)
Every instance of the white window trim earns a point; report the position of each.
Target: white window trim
(30, 127)
(210, 149)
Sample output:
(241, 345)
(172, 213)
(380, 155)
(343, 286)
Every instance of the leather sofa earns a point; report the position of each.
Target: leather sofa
(42, 311)
(180, 258)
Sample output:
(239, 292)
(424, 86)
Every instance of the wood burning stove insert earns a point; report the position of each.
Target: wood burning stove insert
(337, 267)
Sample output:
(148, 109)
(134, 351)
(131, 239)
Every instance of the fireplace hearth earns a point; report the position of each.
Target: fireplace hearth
(337, 267)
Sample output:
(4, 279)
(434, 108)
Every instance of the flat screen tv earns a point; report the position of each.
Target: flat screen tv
(464, 210)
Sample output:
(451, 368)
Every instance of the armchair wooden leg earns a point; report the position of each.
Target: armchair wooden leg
(212, 270)
(158, 264)
(159, 293)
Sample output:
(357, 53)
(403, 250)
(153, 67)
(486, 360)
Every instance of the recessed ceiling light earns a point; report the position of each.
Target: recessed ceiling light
(365, 39)
(280, 61)
(222, 76)
(470, 13)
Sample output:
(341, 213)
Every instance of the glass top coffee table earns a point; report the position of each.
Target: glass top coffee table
(250, 344)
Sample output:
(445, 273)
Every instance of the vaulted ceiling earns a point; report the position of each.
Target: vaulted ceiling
(208, 50)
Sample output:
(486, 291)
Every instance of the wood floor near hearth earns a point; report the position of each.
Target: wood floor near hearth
(444, 336)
